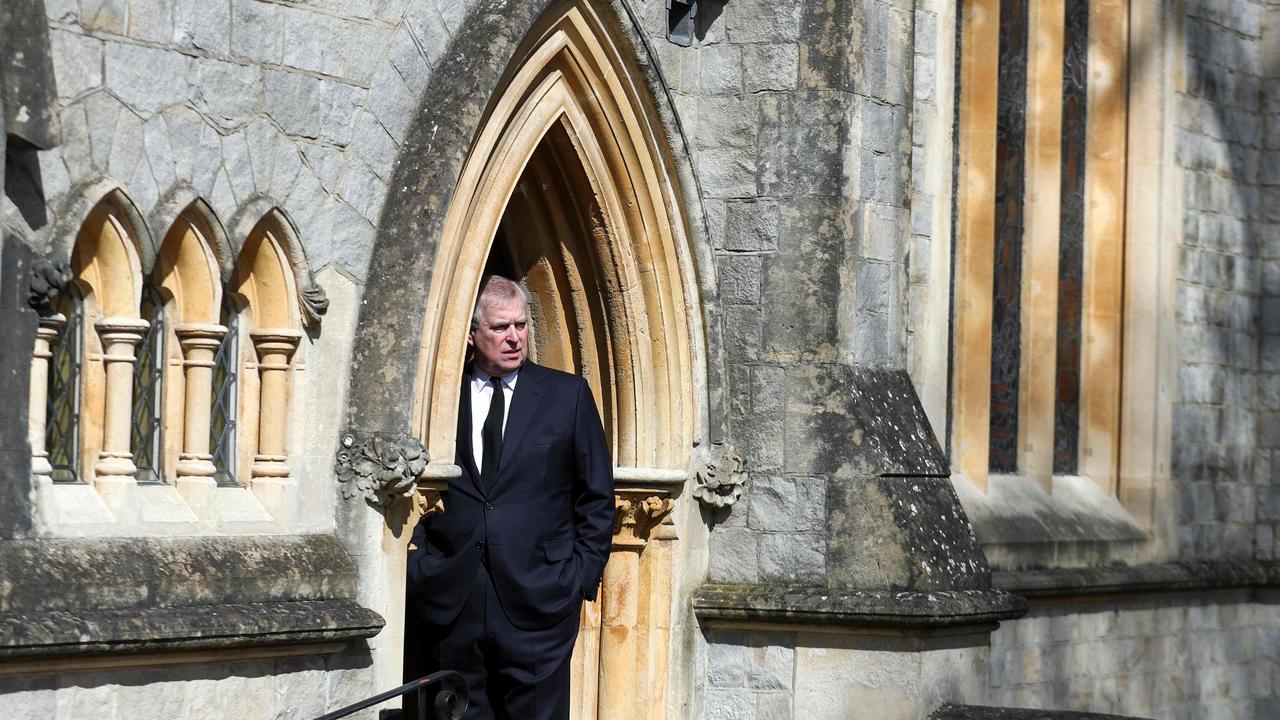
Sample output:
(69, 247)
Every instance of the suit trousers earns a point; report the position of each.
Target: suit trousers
(511, 673)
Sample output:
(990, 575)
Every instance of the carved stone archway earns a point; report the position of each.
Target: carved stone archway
(566, 171)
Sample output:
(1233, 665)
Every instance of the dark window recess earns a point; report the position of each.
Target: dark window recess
(62, 428)
(1066, 416)
(1006, 312)
(222, 421)
(147, 432)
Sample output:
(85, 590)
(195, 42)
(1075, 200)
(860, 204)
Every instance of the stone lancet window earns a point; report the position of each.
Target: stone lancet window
(177, 374)
(270, 321)
(1040, 239)
(225, 400)
(66, 349)
(147, 439)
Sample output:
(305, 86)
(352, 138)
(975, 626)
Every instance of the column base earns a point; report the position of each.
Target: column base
(118, 494)
(197, 492)
(278, 495)
(41, 469)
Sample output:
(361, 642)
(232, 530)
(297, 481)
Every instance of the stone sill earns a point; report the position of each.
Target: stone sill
(983, 712)
(1174, 577)
(812, 605)
(27, 636)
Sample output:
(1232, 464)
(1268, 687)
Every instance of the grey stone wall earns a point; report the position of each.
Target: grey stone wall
(304, 104)
(803, 152)
(1169, 659)
(1268, 453)
(1228, 382)
(284, 689)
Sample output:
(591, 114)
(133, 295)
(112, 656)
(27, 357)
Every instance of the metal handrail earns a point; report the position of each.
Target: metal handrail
(449, 687)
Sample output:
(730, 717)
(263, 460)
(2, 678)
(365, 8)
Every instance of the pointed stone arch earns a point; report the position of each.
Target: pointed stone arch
(567, 108)
(567, 174)
(187, 265)
(419, 277)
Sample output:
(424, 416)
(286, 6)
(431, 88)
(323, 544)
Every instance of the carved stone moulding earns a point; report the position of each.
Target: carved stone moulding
(380, 467)
(638, 512)
(722, 480)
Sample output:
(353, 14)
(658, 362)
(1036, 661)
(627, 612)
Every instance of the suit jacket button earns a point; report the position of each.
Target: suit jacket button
(488, 506)
(479, 546)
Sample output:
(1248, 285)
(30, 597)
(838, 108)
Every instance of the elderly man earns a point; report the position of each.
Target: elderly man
(497, 580)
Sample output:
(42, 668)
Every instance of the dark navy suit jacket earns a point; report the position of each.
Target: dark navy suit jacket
(546, 522)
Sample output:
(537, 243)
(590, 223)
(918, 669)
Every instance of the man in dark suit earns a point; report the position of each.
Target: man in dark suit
(497, 580)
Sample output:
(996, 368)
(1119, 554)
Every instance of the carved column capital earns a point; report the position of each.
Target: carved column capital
(637, 512)
(381, 467)
(194, 337)
(275, 345)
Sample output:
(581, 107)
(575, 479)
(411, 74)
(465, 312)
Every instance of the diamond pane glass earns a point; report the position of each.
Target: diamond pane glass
(1075, 93)
(62, 428)
(146, 432)
(1006, 311)
(222, 423)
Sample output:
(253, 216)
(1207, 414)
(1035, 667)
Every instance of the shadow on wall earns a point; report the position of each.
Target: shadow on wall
(1225, 300)
(301, 687)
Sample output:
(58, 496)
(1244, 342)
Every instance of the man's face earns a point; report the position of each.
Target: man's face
(499, 341)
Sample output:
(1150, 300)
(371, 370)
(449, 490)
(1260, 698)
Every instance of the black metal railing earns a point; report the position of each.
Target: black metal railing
(448, 687)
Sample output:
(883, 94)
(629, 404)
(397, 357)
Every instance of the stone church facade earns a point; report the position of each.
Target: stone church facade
(938, 344)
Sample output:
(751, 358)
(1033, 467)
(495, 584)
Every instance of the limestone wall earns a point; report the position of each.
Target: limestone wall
(1164, 658)
(287, 688)
(823, 676)
(1226, 426)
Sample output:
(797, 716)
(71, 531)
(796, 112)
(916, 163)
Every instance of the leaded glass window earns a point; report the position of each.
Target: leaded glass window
(222, 423)
(147, 433)
(62, 428)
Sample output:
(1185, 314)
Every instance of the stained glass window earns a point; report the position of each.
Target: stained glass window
(1066, 432)
(147, 432)
(62, 428)
(1006, 314)
(222, 424)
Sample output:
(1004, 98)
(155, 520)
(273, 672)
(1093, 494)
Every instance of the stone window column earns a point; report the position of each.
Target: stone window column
(199, 345)
(120, 338)
(38, 396)
(275, 350)
(639, 511)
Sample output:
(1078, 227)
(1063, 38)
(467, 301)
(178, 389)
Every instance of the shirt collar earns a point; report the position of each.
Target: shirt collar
(480, 378)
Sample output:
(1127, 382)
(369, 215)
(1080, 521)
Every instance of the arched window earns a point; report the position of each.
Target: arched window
(264, 279)
(66, 348)
(147, 434)
(225, 403)
(106, 269)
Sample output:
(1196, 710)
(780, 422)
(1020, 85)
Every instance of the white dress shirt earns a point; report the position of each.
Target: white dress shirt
(481, 396)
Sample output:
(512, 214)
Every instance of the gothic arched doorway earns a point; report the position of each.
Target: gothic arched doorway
(566, 188)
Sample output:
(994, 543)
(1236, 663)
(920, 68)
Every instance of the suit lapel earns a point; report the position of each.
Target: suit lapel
(524, 401)
(464, 433)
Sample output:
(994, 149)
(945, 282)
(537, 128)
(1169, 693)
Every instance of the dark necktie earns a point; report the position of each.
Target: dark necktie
(491, 435)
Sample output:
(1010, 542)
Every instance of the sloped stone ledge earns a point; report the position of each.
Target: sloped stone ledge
(1174, 577)
(149, 595)
(812, 605)
(983, 712)
(203, 627)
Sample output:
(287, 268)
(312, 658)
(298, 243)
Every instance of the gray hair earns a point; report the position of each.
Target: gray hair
(497, 290)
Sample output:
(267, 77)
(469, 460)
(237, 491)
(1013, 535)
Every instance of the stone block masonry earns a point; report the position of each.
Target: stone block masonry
(1225, 419)
(1209, 658)
(304, 105)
